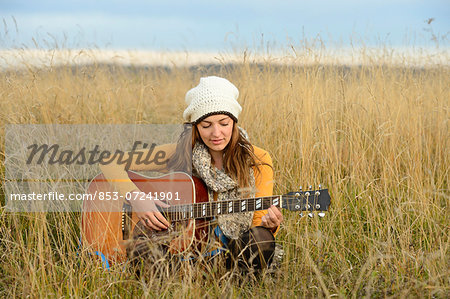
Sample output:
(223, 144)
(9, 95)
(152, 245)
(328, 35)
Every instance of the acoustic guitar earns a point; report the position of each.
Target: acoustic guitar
(108, 220)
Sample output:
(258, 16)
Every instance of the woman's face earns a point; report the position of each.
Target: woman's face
(215, 131)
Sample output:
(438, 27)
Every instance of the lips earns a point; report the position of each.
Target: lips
(216, 141)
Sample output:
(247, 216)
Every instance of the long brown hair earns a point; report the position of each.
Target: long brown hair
(239, 155)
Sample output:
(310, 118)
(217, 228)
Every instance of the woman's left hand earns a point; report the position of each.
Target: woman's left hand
(273, 218)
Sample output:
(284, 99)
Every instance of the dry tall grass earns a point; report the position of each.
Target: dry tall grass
(376, 135)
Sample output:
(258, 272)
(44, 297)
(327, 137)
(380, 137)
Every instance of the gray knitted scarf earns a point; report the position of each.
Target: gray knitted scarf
(232, 225)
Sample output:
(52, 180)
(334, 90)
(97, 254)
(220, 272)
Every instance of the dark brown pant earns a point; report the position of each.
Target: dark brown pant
(253, 250)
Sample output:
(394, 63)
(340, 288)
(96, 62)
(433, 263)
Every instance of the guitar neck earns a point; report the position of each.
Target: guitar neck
(217, 208)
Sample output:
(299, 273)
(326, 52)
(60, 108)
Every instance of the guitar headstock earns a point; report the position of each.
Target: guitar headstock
(309, 200)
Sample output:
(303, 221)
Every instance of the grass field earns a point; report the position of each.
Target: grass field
(376, 135)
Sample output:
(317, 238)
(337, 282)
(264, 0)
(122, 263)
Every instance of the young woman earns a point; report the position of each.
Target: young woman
(229, 165)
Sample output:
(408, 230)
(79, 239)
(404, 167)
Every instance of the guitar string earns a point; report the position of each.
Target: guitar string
(211, 208)
(208, 209)
(185, 211)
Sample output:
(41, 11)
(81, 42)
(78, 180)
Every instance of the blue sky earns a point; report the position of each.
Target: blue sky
(219, 25)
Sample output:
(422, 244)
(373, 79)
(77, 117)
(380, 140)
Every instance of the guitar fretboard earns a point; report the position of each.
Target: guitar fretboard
(217, 208)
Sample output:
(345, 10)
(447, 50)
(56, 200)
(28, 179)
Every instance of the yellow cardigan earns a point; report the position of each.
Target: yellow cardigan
(115, 173)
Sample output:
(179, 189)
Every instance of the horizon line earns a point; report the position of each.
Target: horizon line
(41, 58)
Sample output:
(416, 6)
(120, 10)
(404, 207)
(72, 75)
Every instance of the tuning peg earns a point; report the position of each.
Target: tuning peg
(300, 188)
(320, 186)
(310, 215)
(310, 187)
(301, 215)
(321, 214)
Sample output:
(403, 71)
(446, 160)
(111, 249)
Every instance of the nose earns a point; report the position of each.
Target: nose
(216, 131)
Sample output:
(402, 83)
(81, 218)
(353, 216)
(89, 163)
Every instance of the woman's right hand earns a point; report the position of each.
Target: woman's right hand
(147, 211)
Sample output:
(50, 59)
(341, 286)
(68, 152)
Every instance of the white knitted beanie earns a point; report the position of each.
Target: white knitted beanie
(213, 95)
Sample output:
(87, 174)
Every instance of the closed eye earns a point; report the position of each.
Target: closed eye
(207, 126)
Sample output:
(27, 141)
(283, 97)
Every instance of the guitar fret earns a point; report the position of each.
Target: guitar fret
(251, 204)
(243, 205)
(267, 202)
(236, 206)
(210, 209)
(198, 211)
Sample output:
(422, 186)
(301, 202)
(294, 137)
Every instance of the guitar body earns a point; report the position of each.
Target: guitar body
(107, 229)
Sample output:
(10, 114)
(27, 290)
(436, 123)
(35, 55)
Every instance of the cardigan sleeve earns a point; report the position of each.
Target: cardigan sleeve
(117, 176)
(263, 183)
